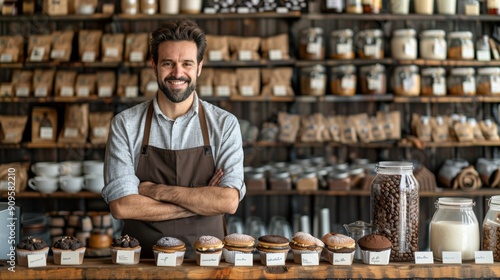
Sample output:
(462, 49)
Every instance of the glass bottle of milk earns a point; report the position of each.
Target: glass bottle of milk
(454, 227)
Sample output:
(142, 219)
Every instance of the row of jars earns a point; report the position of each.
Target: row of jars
(467, 7)
(306, 176)
(369, 44)
(406, 80)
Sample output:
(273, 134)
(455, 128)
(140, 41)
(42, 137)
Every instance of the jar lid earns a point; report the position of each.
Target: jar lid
(467, 71)
(495, 199)
(454, 201)
(378, 68)
(341, 166)
(356, 170)
(370, 33)
(254, 175)
(318, 68)
(280, 174)
(347, 69)
(404, 33)
(342, 33)
(306, 175)
(438, 71)
(395, 165)
(312, 30)
(339, 174)
(407, 68)
(493, 71)
(361, 161)
(460, 34)
(433, 33)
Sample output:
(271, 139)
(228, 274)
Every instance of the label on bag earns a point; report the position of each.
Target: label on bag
(37, 54)
(483, 257)
(70, 132)
(46, 132)
(104, 92)
(70, 257)
(125, 257)
(131, 91)
(279, 90)
(37, 260)
(424, 257)
(83, 92)
(40, 92)
(152, 86)
(245, 55)
(275, 259)
(215, 55)
(206, 91)
(57, 54)
(88, 56)
(246, 91)
(6, 57)
(22, 91)
(275, 55)
(452, 257)
(223, 91)
(241, 259)
(66, 91)
(111, 52)
(100, 131)
(309, 259)
(136, 56)
(165, 259)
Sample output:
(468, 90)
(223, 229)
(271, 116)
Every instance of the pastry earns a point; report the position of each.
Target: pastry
(68, 243)
(337, 243)
(207, 244)
(305, 243)
(272, 244)
(374, 243)
(30, 246)
(125, 243)
(170, 245)
(237, 243)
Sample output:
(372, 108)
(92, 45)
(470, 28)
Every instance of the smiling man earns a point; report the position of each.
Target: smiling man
(174, 165)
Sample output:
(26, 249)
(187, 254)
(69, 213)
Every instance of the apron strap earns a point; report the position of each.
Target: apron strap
(147, 128)
(204, 129)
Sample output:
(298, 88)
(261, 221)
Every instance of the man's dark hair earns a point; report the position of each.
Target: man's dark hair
(178, 30)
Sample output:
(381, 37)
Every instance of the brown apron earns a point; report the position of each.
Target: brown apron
(191, 167)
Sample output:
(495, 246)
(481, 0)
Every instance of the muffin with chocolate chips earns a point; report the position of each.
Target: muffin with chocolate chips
(30, 246)
(68, 244)
(120, 248)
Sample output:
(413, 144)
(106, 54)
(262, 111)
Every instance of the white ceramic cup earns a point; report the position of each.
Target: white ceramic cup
(44, 184)
(46, 169)
(71, 184)
(72, 168)
(94, 183)
(93, 167)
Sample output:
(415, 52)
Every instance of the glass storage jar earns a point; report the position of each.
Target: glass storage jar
(149, 7)
(433, 44)
(493, 7)
(425, 7)
(311, 44)
(332, 6)
(341, 44)
(491, 228)
(395, 207)
(255, 180)
(433, 81)
(447, 7)
(372, 6)
(488, 81)
(313, 80)
(404, 44)
(339, 180)
(130, 7)
(401, 7)
(454, 227)
(373, 79)
(460, 45)
(371, 44)
(343, 80)
(280, 180)
(462, 81)
(354, 7)
(483, 51)
(468, 7)
(406, 80)
(307, 181)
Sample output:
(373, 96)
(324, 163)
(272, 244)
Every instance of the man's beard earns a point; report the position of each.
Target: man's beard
(176, 95)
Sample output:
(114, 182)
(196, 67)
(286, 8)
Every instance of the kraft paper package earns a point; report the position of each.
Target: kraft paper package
(149, 85)
(128, 85)
(289, 126)
(11, 49)
(244, 48)
(39, 47)
(65, 83)
(89, 45)
(275, 47)
(99, 126)
(224, 82)
(112, 47)
(85, 85)
(248, 80)
(217, 48)
(22, 82)
(106, 84)
(12, 129)
(136, 47)
(62, 45)
(43, 125)
(43, 79)
(277, 81)
(76, 124)
(21, 175)
(205, 83)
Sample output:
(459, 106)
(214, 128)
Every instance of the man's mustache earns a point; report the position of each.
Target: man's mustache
(184, 79)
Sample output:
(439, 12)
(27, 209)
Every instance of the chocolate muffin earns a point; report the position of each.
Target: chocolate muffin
(125, 243)
(68, 243)
(30, 246)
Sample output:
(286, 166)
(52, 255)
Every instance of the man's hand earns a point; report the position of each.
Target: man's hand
(149, 189)
(215, 181)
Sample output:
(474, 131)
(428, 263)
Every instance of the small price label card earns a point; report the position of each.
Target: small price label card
(152, 86)
(243, 259)
(379, 258)
(165, 259)
(209, 259)
(67, 91)
(342, 258)
(22, 91)
(275, 259)
(452, 257)
(83, 92)
(104, 92)
(37, 54)
(40, 92)
(70, 258)
(111, 52)
(37, 260)
(309, 259)
(131, 91)
(125, 257)
(57, 54)
(5, 57)
(424, 257)
(483, 257)
(206, 91)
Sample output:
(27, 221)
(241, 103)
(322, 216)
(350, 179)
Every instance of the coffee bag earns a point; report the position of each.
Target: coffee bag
(248, 80)
(112, 47)
(244, 48)
(89, 45)
(12, 128)
(217, 48)
(136, 47)
(106, 83)
(275, 47)
(43, 79)
(62, 44)
(99, 126)
(224, 82)
(128, 85)
(76, 124)
(65, 83)
(277, 81)
(11, 49)
(204, 84)
(149, 85)
(39, 48)
(85, 85)
(43, 125)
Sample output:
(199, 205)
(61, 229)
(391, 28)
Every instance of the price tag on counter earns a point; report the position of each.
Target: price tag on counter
(424, 257)
(125, 257)
(483, 257)
(243, 259)
(165, 259)
(309, 259)
(275, 259)
(452, 257)
(37, 260)
(70, 257)
(209, 259)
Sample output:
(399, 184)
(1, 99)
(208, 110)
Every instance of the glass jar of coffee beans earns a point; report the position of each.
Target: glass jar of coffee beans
(491, 227)
(395, 207)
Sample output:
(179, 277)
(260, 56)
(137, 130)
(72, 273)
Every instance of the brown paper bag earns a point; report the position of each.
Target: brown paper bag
(288, 127)
(205, 84)
(217, 48)
(136, 47)
(248, 80)
(99, 126)
(62, 44)
(89, 45)
(277, 81)
(39, 48)
(224, 82)
(76, 124)
(43, 125)
(12, 129)
(106, 84)
(85, 85)
(128, 85)
(244, 48)
(11, 49)
(43, 80)
(112, 47)
(275, 47)
(65, 83)
(149, 85)
(21, 176)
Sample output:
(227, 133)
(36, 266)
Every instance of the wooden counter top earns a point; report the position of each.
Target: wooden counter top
(146, 269)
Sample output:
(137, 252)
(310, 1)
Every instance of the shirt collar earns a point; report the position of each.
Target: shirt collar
(190, 113)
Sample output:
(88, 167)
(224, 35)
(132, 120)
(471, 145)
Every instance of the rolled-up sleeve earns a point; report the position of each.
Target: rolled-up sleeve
(119, 167)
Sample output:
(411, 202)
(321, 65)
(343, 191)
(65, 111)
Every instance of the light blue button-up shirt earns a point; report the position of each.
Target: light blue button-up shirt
(125, 140)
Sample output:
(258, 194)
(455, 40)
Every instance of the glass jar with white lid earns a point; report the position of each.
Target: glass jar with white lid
(462, 81)
(460, 45)
(341, 44)
(406, 80)
(404, 44)
(343, 80)
(370, 44)
(488, 81)
(454, 227)
(433, 81)
(433, 44)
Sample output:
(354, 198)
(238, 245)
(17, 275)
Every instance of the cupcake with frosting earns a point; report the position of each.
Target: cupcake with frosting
(30, 246)
(68, 244)
(170, 245)
(125, 243)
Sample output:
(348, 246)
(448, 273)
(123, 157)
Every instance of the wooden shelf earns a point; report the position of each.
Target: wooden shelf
(408, 144)
(32, 145)
(359, 97)
(58, 194)
(103, 268)
(202, 16)
(398, 17)
(40, 18)
(450, 62)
